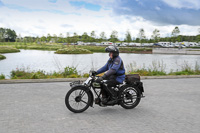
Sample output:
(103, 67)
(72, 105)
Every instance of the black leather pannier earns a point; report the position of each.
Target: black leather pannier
(132, 78)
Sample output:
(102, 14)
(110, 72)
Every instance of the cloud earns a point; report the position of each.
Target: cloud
(192, 4)
(40, 27)
(33, 18)
(52, 1)
(24, 9)
(161, 11)
(66, 25)
(82, 4)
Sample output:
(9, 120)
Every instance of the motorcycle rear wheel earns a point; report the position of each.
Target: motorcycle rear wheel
(78, 99)
(130, 97)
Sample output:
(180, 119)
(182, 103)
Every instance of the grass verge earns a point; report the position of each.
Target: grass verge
(158, 69)
(68, 72)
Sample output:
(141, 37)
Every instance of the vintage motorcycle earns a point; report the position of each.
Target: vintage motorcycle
(81, 96)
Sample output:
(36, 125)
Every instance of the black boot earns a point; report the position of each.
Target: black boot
(113, 98)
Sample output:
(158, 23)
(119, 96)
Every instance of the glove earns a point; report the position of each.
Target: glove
(99, 80)
(94, 73)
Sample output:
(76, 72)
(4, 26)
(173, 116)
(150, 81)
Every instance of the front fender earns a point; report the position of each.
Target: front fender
(86, 89)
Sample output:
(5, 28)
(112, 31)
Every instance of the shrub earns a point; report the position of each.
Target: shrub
(73, 76)
(69, 71)
(2, 76)
(85, 75)
(34, 76)
(156, 69)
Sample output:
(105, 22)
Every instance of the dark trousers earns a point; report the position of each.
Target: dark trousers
(106, 90)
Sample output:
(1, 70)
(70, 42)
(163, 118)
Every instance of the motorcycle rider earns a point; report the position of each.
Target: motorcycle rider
(115, 74)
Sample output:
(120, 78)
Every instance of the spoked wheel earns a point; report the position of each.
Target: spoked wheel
(130, 97)
(77, 99)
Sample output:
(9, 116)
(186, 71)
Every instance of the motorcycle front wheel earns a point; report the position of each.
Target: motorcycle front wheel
(78, 99)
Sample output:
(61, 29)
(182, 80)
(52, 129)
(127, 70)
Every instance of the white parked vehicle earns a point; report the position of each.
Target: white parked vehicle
(164, 44)
(147, 44)
(106, 43)
(98, 44)
(80, 43)
(125, 44)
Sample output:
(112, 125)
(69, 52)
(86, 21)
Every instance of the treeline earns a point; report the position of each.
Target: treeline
(8, 35)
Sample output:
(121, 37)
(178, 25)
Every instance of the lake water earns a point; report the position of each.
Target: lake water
(48, 61)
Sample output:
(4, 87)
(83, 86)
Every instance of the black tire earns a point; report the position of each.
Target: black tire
(69, 95)
(124, 94)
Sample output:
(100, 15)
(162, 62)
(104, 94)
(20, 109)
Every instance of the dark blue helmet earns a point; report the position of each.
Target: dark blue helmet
(112, 49)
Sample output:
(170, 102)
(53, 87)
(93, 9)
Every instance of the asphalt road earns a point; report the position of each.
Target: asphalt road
(170, 106)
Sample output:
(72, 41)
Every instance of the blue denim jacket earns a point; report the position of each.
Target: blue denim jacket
(114, 67)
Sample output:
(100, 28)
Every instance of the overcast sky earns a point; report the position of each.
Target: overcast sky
(40, 17)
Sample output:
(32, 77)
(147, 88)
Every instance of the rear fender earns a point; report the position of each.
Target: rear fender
(140, 86)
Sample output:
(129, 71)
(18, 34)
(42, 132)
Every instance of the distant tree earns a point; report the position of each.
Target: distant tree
(128, 36)
(114, 36)
(92, 36)
(2, 34)
(49, 37)
(179, 38)
(156, 35)
(141, 35)
(137, 40)
(75, 38)
(61, 38)
(150, 41)
(175, 32)
(68, 38)
(102, 36)
(25, 40)
(28, 39)
(55, 38)
(85, 37)
(7, 35)
(43, 39)
(19, 38)
(38, 40)
(10, 35)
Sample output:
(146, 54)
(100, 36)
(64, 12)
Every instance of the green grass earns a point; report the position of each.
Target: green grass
(56, 46)
(100, 49)
(158, 69)
(2, 57)
(148, 72)
(53, 47)
(22, 73)
(73, 51)
(134, 50)
(7, 49)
